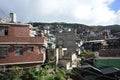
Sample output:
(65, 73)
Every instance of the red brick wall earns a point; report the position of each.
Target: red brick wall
(19, 31)
(110, 53)
(26, 57)
(106, 53)
(41, 40)
(11, 31)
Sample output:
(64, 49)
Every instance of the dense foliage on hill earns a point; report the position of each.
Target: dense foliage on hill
(114, 28)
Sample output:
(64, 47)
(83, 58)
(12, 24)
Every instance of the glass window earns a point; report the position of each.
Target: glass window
(3, 51)
(3, 31)
(30, 49)
(18, 51)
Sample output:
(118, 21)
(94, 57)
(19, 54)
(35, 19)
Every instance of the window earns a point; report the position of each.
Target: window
(3, 51)
(64, 51)
(3, 31)
(18, 51)
(42, 49)
(30, 49)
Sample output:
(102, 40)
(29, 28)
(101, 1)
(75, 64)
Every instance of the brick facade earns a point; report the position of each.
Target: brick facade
(17, 30)
(110, 52)
(19, 35)
(26, 57)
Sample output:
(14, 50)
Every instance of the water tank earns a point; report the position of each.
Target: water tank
(12, 18)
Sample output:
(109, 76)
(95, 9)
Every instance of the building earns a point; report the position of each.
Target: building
(113, 43)
(18, 47)
(117, 34)
(94, 45)
(66, 39)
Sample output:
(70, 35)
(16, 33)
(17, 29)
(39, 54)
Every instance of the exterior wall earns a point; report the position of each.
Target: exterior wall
(51, 54)
(16, 30)
(33, 40)
(26, 57)
(113, 43)
(68, 41)
(106, 53)
(21, 31)
(109, 53)
(18, 34)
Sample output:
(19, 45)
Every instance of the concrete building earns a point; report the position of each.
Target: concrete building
(66, 39)
(17, 47)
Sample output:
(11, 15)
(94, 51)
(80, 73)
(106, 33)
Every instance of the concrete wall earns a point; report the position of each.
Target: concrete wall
(69, 41)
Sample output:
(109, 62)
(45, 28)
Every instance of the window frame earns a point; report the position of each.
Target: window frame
(6, 30)
(3, 50)
(20, 51)
(30, 50)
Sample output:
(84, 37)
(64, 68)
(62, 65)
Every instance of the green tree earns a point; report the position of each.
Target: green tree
(4, 76)
(47, 72)
(16, 73)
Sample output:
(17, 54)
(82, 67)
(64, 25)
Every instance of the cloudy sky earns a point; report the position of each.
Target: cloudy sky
(90, 12)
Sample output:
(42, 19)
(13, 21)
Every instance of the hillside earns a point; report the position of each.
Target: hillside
(65, 25)
(113, 28)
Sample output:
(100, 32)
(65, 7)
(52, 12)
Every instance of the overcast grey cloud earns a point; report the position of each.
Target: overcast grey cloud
(90, 12)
